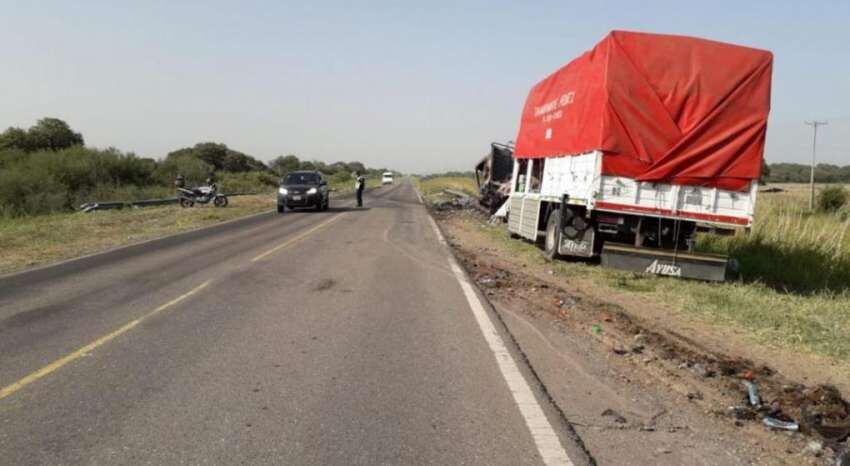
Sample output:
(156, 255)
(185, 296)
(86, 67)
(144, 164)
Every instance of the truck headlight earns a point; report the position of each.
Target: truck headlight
(283, 191)
(312, 191)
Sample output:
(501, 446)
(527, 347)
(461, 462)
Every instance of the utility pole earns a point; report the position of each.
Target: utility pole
(814, 124)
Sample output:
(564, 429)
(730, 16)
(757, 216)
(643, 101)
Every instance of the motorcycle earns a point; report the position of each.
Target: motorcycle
(200, 194)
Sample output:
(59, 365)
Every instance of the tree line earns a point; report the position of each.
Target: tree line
(48, 168)
(800, 173)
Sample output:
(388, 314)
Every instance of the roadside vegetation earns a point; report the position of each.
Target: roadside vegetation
(794, 289)
(791, 248)
(433, 187)
(47, 172)
(41, 239)
(47, 169)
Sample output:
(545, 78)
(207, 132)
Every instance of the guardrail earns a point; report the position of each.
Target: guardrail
(93, 206)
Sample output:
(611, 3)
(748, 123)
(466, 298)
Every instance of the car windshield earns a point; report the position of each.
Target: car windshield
(302, 178)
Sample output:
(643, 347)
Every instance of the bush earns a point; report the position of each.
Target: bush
(47, 181)
(193, 169)
(246, 182)
(831, 199)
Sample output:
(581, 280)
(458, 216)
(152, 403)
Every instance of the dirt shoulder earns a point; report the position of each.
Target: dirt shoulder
(629, 368)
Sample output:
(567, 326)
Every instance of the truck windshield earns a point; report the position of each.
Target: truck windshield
(301, 178)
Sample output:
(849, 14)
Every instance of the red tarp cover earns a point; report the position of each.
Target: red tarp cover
(661, 108)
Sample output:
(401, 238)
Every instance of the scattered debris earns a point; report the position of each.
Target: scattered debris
(842, 455)
(743, 413)
(702, 371)
(814, 448)
(774, 423)
(457, 201)
(618, 350)
(818, 412)
(695, 396)
(752, 393)
(618, 418)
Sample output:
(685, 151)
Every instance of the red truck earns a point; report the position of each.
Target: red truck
(630, 149)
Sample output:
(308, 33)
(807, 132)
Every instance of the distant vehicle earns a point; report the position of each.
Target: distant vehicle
(387, 178)
(630, 149)
(187, 197)
(493, 176)
(303, 189)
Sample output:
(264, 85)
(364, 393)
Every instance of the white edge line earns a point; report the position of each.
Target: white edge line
(547, 441)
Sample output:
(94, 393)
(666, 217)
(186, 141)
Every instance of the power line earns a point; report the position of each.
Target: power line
(814, 124)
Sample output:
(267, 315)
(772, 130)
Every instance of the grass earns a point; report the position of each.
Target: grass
(792, 294)
(31, 241)
(791, 248)
(432, 188)
(42, 239)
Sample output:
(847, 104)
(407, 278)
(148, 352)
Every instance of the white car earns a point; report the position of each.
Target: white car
(387, 178)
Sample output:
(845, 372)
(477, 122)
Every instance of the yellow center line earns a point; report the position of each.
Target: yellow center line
(298, 238)
(57, 364)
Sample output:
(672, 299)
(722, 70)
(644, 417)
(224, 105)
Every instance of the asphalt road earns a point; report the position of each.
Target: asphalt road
(343, 337)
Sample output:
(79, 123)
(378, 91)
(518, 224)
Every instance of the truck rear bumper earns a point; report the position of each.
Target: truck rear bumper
(710, 267)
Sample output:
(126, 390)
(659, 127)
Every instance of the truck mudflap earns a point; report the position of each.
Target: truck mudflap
(581, 246)
(709, 267)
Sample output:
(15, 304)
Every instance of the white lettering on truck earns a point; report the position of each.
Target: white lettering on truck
(661, 268)
(555, 104)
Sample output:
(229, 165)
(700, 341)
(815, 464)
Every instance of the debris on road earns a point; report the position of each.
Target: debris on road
(774, 423)
(742, 413)
(617, 417)
(814, 448)
(752, 393)
(744, 391)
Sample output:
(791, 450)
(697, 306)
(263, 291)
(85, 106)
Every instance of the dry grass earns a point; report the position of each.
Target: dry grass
(432, 188)
(37, 240)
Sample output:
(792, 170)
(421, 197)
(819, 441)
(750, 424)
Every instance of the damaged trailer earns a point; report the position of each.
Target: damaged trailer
(629, 150)
(493, 176)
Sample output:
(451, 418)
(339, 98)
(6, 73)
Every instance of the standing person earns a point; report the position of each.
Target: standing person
(359, 184)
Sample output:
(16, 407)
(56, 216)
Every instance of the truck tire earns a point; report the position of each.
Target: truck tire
(553, 236)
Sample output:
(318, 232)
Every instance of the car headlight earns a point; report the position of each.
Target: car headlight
(283, 191)
(312, 191)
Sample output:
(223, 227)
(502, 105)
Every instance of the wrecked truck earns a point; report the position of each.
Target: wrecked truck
(629, 150)
(493, 176)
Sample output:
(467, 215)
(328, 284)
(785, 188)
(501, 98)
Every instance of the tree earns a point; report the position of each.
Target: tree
(284, 164)
(53, 134)
(15, 138)
(356, 167)
(220, 157)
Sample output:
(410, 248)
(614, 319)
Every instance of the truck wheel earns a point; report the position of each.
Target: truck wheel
(280, 208)
(553, 236)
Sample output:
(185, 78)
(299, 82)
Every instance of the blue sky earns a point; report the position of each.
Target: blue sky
(416, 86)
